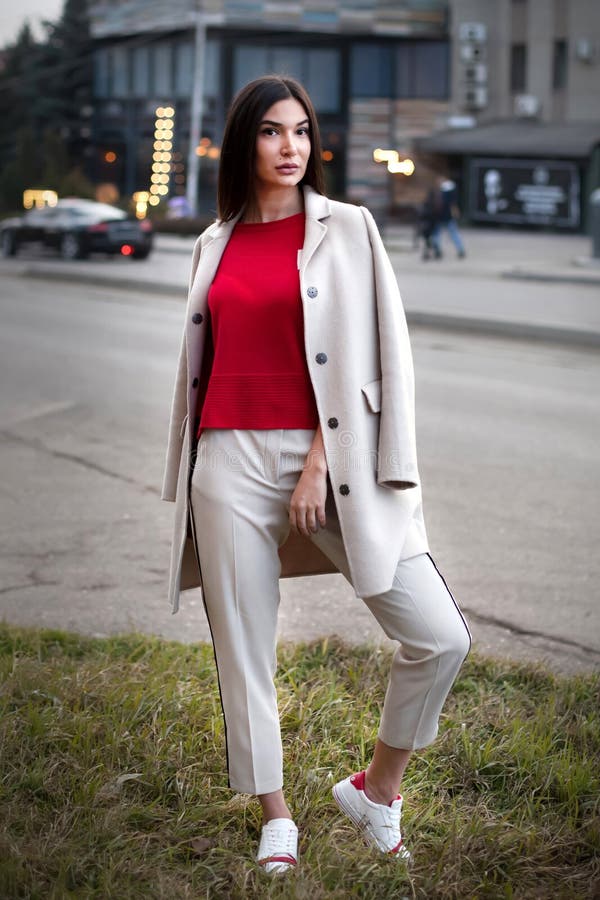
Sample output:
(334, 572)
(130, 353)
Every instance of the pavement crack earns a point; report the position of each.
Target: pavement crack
(47, 409)
(529, 632)
(36, 444)
(29, 584)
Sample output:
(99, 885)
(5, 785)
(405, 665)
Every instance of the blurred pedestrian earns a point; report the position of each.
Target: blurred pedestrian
(429, 213)
(447, 203)
(292, 450)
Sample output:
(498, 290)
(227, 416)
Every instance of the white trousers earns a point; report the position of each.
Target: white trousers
(240, 494)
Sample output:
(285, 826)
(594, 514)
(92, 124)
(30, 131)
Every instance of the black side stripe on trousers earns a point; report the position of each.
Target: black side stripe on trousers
(194, 539)
(454, 601)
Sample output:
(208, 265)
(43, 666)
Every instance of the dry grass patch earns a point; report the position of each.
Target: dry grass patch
(113, 783)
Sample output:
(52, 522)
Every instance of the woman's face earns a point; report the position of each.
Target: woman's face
(282, 145)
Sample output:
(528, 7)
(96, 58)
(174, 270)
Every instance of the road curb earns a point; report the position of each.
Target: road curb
(558, 278)
(528, 331)
(592, 280)
(443, 321)
(128, 284)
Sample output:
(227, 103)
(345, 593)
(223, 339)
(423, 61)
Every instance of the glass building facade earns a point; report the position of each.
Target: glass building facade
(341, 69)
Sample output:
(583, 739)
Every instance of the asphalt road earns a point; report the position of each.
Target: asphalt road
(508, 434)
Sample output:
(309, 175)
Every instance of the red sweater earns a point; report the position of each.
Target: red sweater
(259, 377)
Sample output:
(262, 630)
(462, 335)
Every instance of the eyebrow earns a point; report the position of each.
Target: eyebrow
(280, 124)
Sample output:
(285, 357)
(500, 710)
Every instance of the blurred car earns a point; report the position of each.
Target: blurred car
(76, 228)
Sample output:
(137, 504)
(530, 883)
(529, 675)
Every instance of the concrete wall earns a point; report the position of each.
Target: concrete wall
(370, 126)
(538, 24)
(389, 124)
(403, 17)
(109, 18)
(495, 15)
(583, 78)
(540, 49)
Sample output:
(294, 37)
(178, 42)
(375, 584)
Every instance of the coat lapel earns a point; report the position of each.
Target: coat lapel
(316, 207)
(213, 247)
(210, 257)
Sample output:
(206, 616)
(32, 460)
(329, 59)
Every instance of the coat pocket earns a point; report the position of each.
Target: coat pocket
(372, 391)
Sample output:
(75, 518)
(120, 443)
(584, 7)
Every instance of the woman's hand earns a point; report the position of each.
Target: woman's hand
(307, 505)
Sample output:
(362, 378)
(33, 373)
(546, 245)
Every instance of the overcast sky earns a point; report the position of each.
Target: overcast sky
(12, 16)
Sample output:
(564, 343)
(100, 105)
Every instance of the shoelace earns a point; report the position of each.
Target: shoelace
(280, 844)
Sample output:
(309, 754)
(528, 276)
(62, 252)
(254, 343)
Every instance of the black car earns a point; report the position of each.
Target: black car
(78, 227)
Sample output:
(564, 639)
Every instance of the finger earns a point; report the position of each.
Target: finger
(321, 516)
(293, 520)
(299, 519)
(311, 521)
(303, 514)
(302, 525)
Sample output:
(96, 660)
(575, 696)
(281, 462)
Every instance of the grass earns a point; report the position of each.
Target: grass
(113, 782)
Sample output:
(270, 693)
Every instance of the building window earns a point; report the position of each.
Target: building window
(318, 70)
(287, 61)
(559, 65)
(422, 70)
(250, 62)
(101, 73)
(430, 64)
(371, 70)
(184, 69)
(141, 72)
(322, 79)
(163, 75)
(183, 57)
(212, 69)
(120, 72)
(518, 68)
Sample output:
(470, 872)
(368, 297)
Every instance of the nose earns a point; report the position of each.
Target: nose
(289, 144)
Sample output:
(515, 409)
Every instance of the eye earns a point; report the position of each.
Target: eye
(303, 130)
(268, 129)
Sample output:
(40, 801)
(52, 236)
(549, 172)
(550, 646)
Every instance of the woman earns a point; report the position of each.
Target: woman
(292, 451)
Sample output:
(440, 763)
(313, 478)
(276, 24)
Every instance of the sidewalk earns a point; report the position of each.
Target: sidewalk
(499, 253)
(513, 283)
(505, 253)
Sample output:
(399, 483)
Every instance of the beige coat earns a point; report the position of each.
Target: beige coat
(360, 365)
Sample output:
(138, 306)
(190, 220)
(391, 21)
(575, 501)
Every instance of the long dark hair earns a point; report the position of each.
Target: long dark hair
(238, 150)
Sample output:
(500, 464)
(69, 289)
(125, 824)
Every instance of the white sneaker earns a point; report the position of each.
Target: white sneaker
(379, 824)
(278, 848)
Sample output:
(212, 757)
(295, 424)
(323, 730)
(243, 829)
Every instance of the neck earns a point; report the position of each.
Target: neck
(270, 204)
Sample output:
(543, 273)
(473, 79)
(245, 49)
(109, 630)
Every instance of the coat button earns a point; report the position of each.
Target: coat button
(312, 292)
(197, 318)
(321, 358)
(344, 489)
(333, 422)
(195, 382)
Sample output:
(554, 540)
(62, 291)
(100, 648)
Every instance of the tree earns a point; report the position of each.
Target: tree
(18, 89)
(68, 52)
(54, 159)
(21, 172)
(46, 87)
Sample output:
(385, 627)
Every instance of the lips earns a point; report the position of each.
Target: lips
(288, 168)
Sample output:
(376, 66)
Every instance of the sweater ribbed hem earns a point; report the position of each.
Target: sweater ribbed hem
(264, 400)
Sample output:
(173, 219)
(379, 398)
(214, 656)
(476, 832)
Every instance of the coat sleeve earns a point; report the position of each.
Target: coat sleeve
(178, 405)
(397, 453)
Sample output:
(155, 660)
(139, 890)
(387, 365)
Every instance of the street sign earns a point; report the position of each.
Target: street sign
(525, 192)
